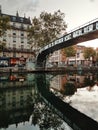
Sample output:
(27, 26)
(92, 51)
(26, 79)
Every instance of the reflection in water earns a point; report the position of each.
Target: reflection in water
(16, 102)
(21, 106)
(79, 90)
(49, 119)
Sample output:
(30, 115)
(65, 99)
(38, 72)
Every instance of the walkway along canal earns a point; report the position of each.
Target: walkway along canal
(74, 118)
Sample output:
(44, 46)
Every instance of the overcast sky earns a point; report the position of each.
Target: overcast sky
(77, 12)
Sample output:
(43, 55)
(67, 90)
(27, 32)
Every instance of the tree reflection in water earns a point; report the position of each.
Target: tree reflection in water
(69, 84)
(45, 117)
(70, 89)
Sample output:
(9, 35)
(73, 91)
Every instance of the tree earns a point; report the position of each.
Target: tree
(96, 57)
(89, 52)
(70, 51)
(69, 88)
(2, 45)
(46, 28)
(4, 25)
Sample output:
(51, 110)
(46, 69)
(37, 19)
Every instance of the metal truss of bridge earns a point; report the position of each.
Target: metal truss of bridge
(86, 32)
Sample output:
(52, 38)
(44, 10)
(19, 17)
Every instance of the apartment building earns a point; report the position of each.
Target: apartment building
(17, 49)
(58, 58)
(79, 56)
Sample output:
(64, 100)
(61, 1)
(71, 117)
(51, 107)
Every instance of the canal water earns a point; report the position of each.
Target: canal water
(22, 106)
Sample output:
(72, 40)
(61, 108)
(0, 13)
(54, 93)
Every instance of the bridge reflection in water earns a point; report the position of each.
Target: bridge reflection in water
(25, 101)
(21, 106)
(75, 119)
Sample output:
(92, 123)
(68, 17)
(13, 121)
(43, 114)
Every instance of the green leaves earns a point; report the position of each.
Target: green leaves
(46, 28)
(89, 52)
(4, 24)
(70, 51)
(2, 46)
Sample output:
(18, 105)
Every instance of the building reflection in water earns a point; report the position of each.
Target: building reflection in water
(79, 90)
(61, 83)
(20, 102)
(16, 102)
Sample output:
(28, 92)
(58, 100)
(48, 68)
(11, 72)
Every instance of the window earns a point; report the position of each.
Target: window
(14, 45)
(22, 34)
(21, 19)
(14, 54)
(4, 38)
(22, 26)
(14, 18)
(22, 40)
(14, 33)
(78, 55)
(14, 39)
(14, 36)
(14, 24)
(22, 46)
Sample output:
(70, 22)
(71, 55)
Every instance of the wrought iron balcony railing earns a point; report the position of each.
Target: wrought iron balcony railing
(17, 50)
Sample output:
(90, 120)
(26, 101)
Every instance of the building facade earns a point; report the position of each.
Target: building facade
(17, 49)
(58, 58)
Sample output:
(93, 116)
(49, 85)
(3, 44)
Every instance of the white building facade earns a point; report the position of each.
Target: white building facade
(16, 40)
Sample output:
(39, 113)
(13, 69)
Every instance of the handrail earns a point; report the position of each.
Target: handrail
(73, 30)
(87, 23)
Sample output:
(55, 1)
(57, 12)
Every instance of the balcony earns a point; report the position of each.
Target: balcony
(18, 50)
(19, 28)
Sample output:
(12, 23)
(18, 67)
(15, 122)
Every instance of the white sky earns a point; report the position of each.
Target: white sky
(77, 12)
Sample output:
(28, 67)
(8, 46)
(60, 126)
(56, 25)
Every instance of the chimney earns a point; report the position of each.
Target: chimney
(0, 10)
(17, 14)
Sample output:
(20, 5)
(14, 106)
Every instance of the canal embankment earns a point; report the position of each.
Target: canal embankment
(56, 69)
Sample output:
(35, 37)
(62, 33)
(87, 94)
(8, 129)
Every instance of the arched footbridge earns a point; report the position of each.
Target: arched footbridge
(86, 32)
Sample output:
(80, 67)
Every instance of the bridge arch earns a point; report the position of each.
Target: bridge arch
(86, 32)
